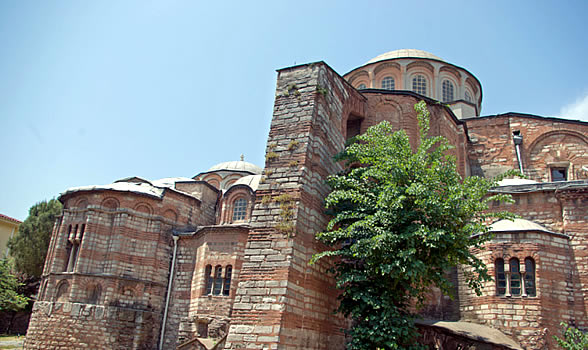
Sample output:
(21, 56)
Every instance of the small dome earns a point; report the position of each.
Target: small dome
(237, 165)
(404, 53)
(516, 225)
(250, 180)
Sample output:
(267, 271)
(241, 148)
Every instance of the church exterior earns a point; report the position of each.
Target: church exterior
(220, 260)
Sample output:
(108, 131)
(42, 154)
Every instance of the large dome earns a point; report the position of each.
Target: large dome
(237, 165)
(404, 53)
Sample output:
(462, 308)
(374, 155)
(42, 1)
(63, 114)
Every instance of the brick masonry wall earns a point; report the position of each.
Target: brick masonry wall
(398, 109)
(218, 245)
(560, 296)
(123, 260)
(545, 141)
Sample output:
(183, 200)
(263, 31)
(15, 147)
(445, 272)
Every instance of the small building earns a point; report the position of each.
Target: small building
(8, 228)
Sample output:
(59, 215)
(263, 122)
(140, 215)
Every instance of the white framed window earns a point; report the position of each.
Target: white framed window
(239, 209)
(447, 87)
(388, 83)
(514, 282)
(419, 84)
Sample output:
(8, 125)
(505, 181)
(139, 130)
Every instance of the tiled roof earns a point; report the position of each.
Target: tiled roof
(8, 218)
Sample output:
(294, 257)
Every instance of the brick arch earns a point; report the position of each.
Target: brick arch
(110, 203)
(362, 74)
(81, 203)
(213, 179)
(231, 197)
(386, 66)
(93, 293)
(143, 207)
(420, 64)
(474, 87)
(556, 146)
(62, 291)
(391, 112)
(451, 71)
(170, 214)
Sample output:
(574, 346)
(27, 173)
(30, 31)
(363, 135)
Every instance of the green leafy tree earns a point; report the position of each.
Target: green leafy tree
(400, 220)
(10, 299)
(29, 246)
(573, 338)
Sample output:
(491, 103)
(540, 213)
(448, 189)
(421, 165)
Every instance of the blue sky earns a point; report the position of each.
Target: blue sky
(94, 91)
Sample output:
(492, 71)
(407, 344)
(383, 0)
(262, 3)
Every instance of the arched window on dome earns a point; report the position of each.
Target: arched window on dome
(240, 209)
(419, 84)
(468, 97)
(530, 288)
(515, 277)
(361, 86)
(388, 83)
(447, 91)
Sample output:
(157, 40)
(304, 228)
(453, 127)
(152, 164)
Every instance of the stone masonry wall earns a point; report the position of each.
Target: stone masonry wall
(281, 301)
(83, 326)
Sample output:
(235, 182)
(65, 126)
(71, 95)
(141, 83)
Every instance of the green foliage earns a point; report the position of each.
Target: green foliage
(29, 246)
(573, 338)
(292, 145)
(269, 156)
(321, 90)
(401, 220)
(10, 299)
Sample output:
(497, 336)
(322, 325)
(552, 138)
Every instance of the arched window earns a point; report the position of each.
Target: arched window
(208, 279)
(447, 91)
(388, 83)
(227, 282)
(239, 209)
(72, 248)
(500, 277)
(361, 86)
(94, 293)
(218, 280)
(530, 288)
(515, 277)
(468, 97)
(419, 84)
(62, 294)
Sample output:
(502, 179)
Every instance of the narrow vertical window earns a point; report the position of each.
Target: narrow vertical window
(388, 83)
(530, 288)
(515, 277)
(419, 85)
(447, 91)
(218, 280)
(500, 277)
(208, 279)
(227, 282)
(239, 209)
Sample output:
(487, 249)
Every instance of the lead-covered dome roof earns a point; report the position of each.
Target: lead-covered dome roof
(404, 53)
(237, 165)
